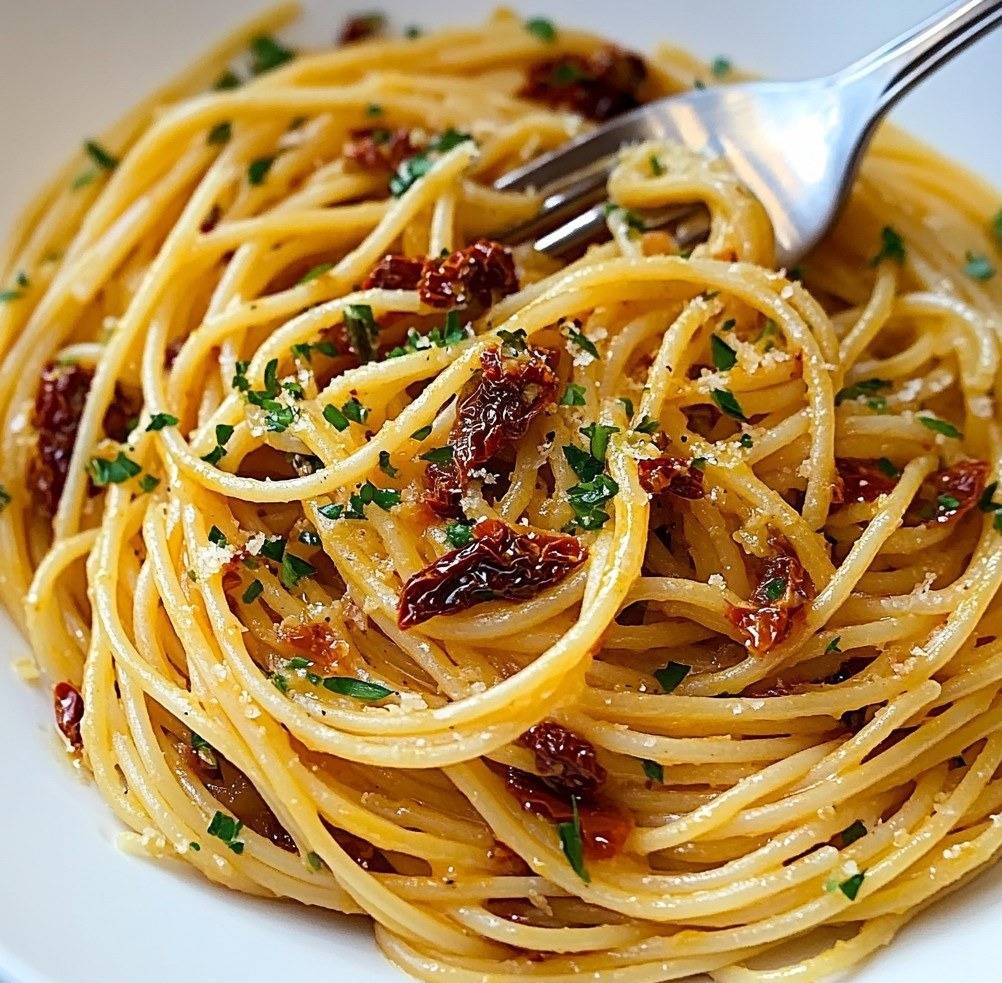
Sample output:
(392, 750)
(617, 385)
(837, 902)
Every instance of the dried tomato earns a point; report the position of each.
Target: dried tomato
(604, 825)
(395, 272)
(361, 28)
(671, 474)
(69, 707)
(784, 586)
(568, 761)
(600, 86)
(376, 148)
(511, 392)
(476, 273)
(861, 481)
(329, 653)
(948, 495)
(59, 406)
(500, 563)
(443, 490)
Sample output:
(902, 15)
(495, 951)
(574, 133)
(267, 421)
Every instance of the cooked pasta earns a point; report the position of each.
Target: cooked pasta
(632, 615)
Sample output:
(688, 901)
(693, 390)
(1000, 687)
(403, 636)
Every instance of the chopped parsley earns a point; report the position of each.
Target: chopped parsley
(267, 53)
(724, 357)
(657, 168)
(160, 420)
(852, 833)
(861, 390)
(335, 417)
(574, 395)
(314, 273)
(582, 463)
(358, 689)
(728, 403)
(331, 511)
(384, 465)
(978, 266)
(647, 425)
(414, 168)
(587, 498)
(578, 339)
(851, 885)
(451, 333)
(438, 455)
(294, 568)
(996, 226)
(888, 467)
(542, 29)
(254, 590)
(774, 589)
(104, 472)
(227, 829)
(217, 538)
(258, 169)
(936, 425)
(598, 435)
(671, 675)
(100, 156)
(512, 342)
(228, 80)
(720, 67)
(280, 682)
(370, 494)
(362, 330)
(458, 534)
(355, 411)
(5, 498)
(373, 109)
(572, 843)
(220, 134)
(746, 441)
(892, 246)
(833, 645)
(273, 549)
(422, 433)
(654, 771)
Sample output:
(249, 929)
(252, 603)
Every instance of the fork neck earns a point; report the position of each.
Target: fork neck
(904, 62)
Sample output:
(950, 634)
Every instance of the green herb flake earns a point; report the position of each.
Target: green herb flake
(774, 589)
(335, 417)
(861, 390)
(160, 420)
(254, 590)
(852, 833)
(5, 498)
(358, 689)
(657, 168)
(331, 511)
(228, 80)
(355, 411)
(227, 829)
(422, 433)
(574, 395)
(220, 134)
(728, 403)
(572, 843)
(671, 675)
(892, 247)
(542, 29)
(458, 534)
(294, 568)
(258, 170)
(384, 465)
(217, 538)
(313, 859)
(996, 226)
(724, 357)
(978, 266)
(267, 53)
(587, 498)
(833, 645)
(280, 682)
(577, 338)
(362, 330)
(582, 463)
(850, 887)
(100, 156)
(654, 771)
(887, 467)
(936, 425)
(215, 455)
(104, 472)
(720, 67)
(598, 435)
(273, 549)
(438, 455)
(314, 273)
(746, 441)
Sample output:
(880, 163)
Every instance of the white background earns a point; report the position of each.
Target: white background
(73, 909)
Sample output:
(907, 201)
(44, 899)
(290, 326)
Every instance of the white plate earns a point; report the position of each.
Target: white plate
(76, 910)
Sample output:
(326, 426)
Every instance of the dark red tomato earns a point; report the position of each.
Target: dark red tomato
(604, 825)
(782, 590)
(861, 481)
(500, 563)
(395, 272)
(376, 148)
(671, 474)
(568, 761)
(480, 272)
(599, 87)
(69, 707)
(948, 495)
(361, 28)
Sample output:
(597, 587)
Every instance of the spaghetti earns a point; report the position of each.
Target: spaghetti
(633, 616)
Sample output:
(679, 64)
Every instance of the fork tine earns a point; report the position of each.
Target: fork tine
(559, 206)
(588, 149)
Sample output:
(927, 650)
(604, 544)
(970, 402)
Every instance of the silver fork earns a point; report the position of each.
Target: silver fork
(796, 145)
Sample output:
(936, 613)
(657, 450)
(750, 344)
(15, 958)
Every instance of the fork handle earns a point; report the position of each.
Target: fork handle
(904, 62)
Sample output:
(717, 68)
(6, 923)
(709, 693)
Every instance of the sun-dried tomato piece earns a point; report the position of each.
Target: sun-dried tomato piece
(500, 563)
(329, 653)
(395, 272)
(604, 825)
(69, 707)
(783, 588)
(600, 86)
(443, 490)
(671, 474)
(949, 494)
(361, 28)
(568, 761)
(862, 481)
(362, 852)
(236, 793)
(477, 273)
(511, 392)
(376, 148)
(59, 405)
